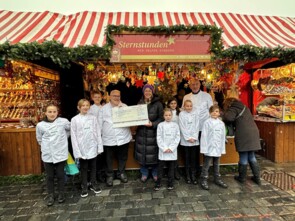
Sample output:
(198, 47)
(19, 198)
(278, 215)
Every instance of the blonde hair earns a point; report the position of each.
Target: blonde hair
(187, 101)
(81, 101)
(166, 110)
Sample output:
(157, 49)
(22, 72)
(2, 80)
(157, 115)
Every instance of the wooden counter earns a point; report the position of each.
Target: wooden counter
(279, 138)
(19, 152)
(231, 157)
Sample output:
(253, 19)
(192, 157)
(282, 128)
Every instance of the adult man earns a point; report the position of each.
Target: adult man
(201, 100)
(115, 140)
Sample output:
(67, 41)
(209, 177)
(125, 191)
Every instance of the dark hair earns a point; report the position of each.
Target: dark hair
(177, 108)
(228, 102)
(213, 108)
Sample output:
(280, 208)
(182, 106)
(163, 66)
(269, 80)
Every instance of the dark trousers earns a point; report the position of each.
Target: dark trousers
(85, 166)
(101, 164)
(170, 164)
(206, 166)
(58, 169)
(121, 153)
(190, 158)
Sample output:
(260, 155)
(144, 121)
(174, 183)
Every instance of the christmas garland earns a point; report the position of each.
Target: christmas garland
(63, 56)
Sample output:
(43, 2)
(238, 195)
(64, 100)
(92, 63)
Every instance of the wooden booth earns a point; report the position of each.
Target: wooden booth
(25, 91)
(274, 104)
(165, 61)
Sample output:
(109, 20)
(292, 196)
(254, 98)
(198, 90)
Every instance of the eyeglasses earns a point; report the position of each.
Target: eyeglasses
(115, 96)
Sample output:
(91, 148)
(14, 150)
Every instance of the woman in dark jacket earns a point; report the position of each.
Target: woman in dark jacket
(146, 148)
(247, 139)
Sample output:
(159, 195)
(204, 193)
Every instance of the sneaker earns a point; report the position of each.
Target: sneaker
(84, 193)
(50, 200)
(123, 178)
(95, 188)
(61, 198)
(157, 187)
(109, 181)
(170, 187)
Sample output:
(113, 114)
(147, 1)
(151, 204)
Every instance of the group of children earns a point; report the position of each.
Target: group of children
(178, 128)
(182, 127)
(52, 135)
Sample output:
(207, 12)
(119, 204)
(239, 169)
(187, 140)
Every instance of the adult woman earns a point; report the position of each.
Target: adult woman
(146, 148)
(246, 137)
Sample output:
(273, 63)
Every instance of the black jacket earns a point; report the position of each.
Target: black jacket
(146, 148)
(246, 133)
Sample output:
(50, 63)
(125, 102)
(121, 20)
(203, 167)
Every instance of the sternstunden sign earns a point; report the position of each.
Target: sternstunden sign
(149, 47)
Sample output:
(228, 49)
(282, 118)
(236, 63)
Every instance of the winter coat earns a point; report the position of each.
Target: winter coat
(203, 101)
(86, 136)
(213, 138)
(53, 139)
(189, 127)
(112, 136)
(168, 137)
(246, 132)
(146, 148)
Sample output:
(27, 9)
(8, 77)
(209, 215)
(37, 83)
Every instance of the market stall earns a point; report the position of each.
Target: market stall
(25, 90)
(274, 103)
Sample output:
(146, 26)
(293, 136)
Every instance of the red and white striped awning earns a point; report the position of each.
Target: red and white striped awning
(87, 28)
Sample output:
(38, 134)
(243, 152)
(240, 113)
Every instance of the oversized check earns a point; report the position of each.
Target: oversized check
(130, 115)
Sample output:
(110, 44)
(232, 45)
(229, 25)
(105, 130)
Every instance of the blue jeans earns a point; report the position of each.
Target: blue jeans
(247, 157)
(144, 170)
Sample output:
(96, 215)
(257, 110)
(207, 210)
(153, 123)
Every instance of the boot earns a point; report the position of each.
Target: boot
(256, 172)
(188, 177)
(242, 173)
(204, 183)
(218, 181)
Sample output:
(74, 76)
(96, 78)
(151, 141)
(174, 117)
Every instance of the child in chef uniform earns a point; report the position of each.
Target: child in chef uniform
(168, 137)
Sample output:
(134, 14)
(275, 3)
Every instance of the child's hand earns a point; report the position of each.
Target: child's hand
(149, 124)
(168, 151)
(191, 140)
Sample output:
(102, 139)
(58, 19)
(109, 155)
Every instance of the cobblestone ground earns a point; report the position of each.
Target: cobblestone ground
(137, 201)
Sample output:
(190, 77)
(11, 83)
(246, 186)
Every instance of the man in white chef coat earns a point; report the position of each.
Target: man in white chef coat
(115, 140)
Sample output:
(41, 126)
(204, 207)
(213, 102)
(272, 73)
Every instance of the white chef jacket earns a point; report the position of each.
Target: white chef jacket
(112, 136)
(189, 127)
(53, 139)
(86, 136)
(168, 137)
(94, 110)
(213, 138)
(203, 101)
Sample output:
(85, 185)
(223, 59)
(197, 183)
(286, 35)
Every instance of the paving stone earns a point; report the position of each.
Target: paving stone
(198, 207)
(139, 203)
(86, 207)
(250, 211)
(132, 212)
(119, 213)
(146, 196)
(289, 217)
(113, 205)
(209, 205)
(160, 210)
(152, 202)
(146, 211)
(8, 212)
(165, 201)
(92, 215)
(173, 208)
(185, 208)
(176, 200)
(265, 211)
(127, 205)
(199, 215)
(105, 192)
(157, 195)
(279, 210)
(150, 218)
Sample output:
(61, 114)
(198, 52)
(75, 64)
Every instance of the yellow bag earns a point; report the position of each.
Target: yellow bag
(71, 167)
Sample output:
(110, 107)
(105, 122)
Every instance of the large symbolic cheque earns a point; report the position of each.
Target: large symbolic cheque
(130, 115)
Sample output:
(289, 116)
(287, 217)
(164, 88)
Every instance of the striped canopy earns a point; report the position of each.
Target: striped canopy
(87, 28)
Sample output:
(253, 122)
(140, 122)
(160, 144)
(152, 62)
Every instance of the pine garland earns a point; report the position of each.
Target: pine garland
(64, 56)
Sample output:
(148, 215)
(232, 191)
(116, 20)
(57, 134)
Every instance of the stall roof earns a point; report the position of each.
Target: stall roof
(87, 28)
